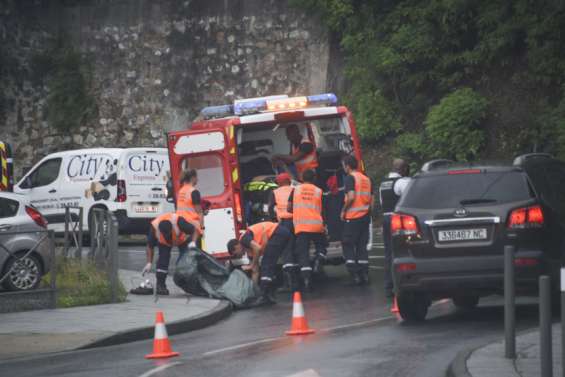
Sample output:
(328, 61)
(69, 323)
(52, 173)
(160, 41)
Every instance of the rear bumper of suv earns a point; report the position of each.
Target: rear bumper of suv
(446, 277)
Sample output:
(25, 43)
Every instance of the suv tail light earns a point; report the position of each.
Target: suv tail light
(527, 217)
(36, 216)
(403, 225)
(122, 195)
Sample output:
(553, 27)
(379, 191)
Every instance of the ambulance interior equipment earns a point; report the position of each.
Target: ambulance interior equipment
(232, 147)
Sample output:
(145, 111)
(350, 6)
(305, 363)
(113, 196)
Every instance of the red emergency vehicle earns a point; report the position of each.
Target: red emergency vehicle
(231, 147)
(6, 167)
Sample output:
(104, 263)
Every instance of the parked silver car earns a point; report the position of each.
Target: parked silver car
(17, 215)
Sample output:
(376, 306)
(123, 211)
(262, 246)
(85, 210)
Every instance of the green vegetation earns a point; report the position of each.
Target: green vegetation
(453, 78)
(66, 72)
(80, 284)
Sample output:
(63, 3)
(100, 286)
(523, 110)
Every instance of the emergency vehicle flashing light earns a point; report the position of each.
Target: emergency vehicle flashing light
(270, 103)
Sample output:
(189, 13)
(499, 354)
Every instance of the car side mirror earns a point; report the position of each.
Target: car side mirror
(26, 184)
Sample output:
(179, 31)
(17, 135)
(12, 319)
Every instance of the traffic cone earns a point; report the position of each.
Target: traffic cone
(394, 308)
(161, 344)
(299, 325)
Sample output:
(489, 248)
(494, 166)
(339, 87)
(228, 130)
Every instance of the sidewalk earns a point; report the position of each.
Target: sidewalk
(44, 331)
(489, 361)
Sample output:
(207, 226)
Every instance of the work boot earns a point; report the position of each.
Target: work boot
(306, 280)
(161, 285)
(267, 294)
(318, 266)
(364, 277)
(287, 281)
(162, 290)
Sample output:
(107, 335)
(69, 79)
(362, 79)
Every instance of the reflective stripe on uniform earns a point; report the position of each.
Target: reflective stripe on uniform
(306, 205)
(308, 222)
(188, 209)
(306, 269)
(349, 261)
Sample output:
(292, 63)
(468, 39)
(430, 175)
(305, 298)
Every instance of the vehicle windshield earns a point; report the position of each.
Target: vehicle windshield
(451, 191)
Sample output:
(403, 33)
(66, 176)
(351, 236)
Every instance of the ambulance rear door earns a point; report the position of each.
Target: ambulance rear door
(207, 151)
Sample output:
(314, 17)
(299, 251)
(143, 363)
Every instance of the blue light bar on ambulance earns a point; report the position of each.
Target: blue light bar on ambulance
(270, 103)
(217, 111)
(253, 105)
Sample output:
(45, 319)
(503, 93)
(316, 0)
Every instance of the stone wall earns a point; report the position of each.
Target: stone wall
(155, 64)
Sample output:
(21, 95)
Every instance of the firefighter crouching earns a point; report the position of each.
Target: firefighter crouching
(278, 209)
(166, 231)
(305, 203)
(265, 240)
(356, 214)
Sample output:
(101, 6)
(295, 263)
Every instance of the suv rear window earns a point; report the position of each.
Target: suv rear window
(447, 191)
(8, 208)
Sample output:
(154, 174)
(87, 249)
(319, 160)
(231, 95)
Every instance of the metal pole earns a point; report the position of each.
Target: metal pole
(509, 304)
(562, 320)
(545, 327)
(66, 234)
(80, 224)
(113, 246)
(53, 269)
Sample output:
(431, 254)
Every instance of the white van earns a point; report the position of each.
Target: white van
(129, 182)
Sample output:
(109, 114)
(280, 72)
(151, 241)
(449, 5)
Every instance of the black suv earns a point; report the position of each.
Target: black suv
(452, 223)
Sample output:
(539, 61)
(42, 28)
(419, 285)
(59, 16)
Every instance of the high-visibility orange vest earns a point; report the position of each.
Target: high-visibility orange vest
(307, 209)
(178, 237)
(282, 195)
(309, 161)
(362, 202)
(185, 207)
(262, 232)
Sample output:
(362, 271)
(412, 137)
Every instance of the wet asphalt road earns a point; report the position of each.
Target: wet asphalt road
(357, 336)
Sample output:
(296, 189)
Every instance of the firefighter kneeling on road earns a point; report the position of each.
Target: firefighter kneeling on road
(267, 241)
(166, 231)
(356, 214)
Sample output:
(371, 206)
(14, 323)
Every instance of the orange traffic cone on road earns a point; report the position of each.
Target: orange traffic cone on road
(394, 308)
(299, 325)
(161, 344)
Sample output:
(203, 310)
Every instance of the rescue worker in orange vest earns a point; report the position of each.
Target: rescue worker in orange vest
(265, 241)
(188, 198)
(302, 152)
(278, 209)
(166, 231)
(356, 214)
(305, 203)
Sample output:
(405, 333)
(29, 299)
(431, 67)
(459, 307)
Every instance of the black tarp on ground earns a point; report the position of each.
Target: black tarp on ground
(200, 274)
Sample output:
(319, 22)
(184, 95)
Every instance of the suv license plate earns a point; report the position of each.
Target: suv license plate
(462, 235)
(146, 209)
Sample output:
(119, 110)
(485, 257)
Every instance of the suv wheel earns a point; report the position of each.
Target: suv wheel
(413, 307)
(466, 302)
(23, 274)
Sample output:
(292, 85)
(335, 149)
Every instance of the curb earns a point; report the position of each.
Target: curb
(458, 366)
(221, 311)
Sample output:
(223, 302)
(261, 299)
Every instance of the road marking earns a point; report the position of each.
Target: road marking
(159, 369)
(376, 256)
(376, 268)
(269, 340)
(243, 345)
(305, 373)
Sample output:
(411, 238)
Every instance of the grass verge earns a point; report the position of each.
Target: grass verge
(82, 283)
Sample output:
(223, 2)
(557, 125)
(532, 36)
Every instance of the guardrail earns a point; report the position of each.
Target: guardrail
(104, 245)
(73, 232)
(42, 298)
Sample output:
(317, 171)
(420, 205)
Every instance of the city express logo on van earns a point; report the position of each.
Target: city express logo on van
(85, 167)
(145, 167)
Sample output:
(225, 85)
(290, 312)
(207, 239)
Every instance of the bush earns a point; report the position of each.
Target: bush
(65, 71)
(453, 125)
(80, 284)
